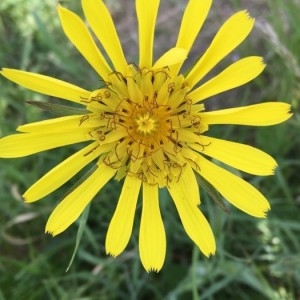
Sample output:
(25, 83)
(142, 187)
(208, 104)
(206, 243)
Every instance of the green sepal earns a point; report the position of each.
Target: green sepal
(213, 193)
(58, 109)
(84, 216)
(82, 223)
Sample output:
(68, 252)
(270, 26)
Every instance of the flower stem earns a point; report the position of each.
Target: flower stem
(195, 257)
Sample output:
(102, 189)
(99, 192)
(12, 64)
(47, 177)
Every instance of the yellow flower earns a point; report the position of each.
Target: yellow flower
(148, 126)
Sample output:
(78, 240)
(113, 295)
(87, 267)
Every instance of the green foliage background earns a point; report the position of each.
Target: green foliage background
(255, 259)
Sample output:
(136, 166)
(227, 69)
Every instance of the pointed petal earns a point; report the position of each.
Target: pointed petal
(239, 156)
(46, 85)
(23, 144)
(146, 15)
(263, 114)
(233, 188)
(60, 124)
(152, 237)
(134, 90)
(194, 16)
(171, 57)
(71, 207)
(102, 25)
(78, 34)
(120, 227)
(230, 35)
(237, 74)
(60, 174)
(193, 221)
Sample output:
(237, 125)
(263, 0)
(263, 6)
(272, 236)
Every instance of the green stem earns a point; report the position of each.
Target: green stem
(195, 257)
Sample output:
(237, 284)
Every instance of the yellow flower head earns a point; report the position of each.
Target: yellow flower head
(148, 126)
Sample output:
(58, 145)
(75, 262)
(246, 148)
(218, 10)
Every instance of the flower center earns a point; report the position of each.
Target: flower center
(146, 119)
(146, 123)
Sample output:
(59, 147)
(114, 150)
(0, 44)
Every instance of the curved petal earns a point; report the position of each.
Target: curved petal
(263, 114)
(78, 34)
(60, 174)
(193, 221)
(193, 18)
(233, 188)
(71, 207)
(23, 144)
(152, 237)
(171, 57)
(146, 15)
(120, 227)
(230, 35)
(237, 74)
(46, 85)
(239, 156)
(102, 24)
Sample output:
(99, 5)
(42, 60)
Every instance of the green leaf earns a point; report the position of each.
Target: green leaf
(213, 193)
(58, 109)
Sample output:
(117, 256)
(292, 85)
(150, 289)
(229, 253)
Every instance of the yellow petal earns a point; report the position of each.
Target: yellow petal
(239, 156)
(235, 75)
(187, 135)
(230, 35)
(114, 135)
(134, 90)
(194, 16)
(71, 207)
(152, 237)
(171, 57)
(23, 144)
(61, 124)
(60, 174)
(46, 85)
(102, 24)
(188, 180)
(193, 221)
(78, 34)
(146, 15)
(237, 191)
(120, 227)
(263, 114)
